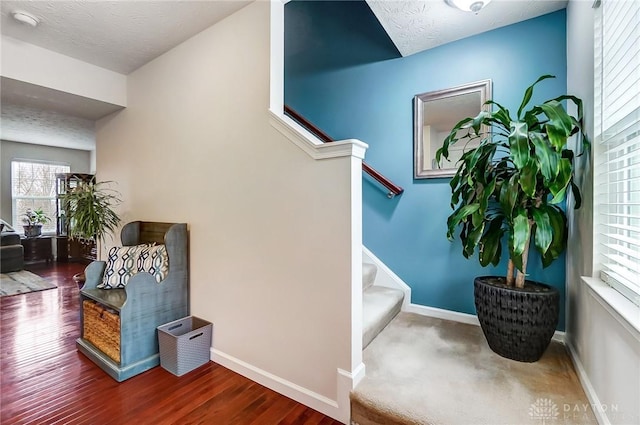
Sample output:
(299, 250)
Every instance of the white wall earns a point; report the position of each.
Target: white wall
(270, 228)
(605, 348)
(35, 65)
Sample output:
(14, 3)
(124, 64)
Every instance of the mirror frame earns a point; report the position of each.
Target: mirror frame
(419, 172)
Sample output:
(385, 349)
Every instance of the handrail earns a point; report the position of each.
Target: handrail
(393, 189)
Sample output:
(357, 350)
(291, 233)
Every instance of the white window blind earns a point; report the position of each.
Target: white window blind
(33, 185)
(617, 145)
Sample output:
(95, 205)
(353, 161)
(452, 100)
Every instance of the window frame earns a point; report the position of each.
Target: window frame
(17, 223)
(611, 137)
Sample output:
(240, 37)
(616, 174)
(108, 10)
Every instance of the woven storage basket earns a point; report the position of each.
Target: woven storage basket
(102, 328)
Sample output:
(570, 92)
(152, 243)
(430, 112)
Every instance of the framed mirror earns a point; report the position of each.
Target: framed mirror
(434, 115)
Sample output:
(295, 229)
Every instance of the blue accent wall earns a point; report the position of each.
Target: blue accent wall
(342, 73)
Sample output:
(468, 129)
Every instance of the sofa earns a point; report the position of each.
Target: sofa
(11, 252)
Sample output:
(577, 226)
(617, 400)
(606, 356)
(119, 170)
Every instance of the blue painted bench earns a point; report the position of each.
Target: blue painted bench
(143, 304)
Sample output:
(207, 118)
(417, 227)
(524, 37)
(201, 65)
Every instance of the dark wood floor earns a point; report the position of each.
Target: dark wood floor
(44, 380)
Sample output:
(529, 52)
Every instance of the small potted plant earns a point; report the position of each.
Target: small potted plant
(514, 184)
(33, 221)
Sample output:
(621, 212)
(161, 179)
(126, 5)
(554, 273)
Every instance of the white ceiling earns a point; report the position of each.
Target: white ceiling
(414, 26)
(117, 35)
(123, 35)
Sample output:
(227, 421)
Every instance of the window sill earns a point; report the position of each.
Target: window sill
(622, 309)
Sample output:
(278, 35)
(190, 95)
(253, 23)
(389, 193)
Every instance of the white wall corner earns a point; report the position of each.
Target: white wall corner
(347, 381)
(339, 410)
(594, 400)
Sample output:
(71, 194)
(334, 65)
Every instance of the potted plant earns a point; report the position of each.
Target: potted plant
(89, 212)
(33, 221)
(514, 183)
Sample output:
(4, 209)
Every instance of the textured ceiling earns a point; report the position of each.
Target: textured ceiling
(415, 26)
(42, 127)
(116, 35)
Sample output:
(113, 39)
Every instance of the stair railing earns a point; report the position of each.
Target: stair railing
(393, 189)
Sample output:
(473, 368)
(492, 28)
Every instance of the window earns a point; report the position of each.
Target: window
(617, 145)
(33, 185)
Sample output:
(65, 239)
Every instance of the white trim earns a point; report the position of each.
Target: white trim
(439, 313)
(293, 131)
(616, 304)
(276, 57)
(594, 401)
(387, 278)
(346, 381)
(309, 143)
(454, 316)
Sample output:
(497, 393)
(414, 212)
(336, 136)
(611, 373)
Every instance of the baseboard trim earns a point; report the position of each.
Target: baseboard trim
(456, 316)
(439, 313)
(337, 409)
(594, 400)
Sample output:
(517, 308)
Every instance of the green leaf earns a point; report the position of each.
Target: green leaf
(519, 144)
(480, 119)
(521, 231)
(559, 121)
(490, 243)
(459, 215)
(577, 198)
(547, 157)
(543, 230)
(486, 194)
(558, 222)
(451, 139)
(509, 195)
(529, 92)
(472, 240)
(558, 186)
(502, 114)
(528, 177)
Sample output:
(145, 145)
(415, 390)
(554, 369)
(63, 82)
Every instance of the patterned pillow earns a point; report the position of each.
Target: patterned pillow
(155, 261)
(121, 265)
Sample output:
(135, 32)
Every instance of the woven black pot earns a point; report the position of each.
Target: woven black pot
(518, 323)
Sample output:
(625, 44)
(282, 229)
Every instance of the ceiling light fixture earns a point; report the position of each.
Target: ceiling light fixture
(25, 18)
(468, 5)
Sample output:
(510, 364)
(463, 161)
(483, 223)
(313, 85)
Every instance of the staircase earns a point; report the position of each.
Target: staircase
(379, 304)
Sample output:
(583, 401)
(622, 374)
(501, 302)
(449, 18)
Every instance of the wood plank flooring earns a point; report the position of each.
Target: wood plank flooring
(44, 380)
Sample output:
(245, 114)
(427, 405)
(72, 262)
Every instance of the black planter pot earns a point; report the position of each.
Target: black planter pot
(518, 323)
(33, 230)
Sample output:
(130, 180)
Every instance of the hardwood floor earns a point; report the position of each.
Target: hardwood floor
(44, 380)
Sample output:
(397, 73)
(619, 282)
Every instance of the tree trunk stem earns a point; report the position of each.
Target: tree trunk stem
(521, 275)
(510, 278)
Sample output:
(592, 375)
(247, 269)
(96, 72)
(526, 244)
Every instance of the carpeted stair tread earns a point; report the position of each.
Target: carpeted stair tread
(422, 370)
(369, 272)
(379, 306)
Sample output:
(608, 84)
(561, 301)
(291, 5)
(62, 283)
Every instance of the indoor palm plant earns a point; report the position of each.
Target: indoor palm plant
(514, 183)
(89, 212)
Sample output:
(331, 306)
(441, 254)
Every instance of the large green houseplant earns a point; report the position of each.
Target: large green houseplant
(514, 183)
(89, 211)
